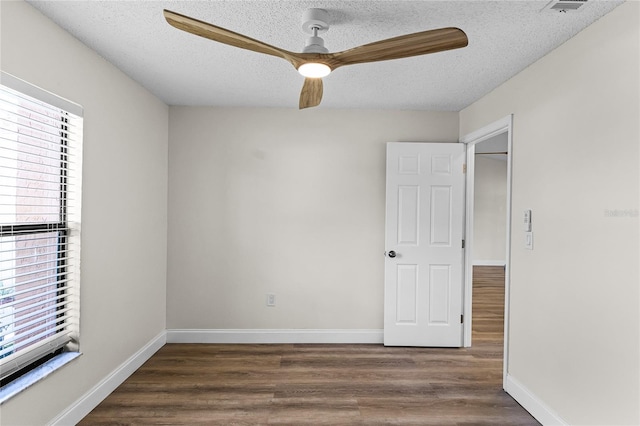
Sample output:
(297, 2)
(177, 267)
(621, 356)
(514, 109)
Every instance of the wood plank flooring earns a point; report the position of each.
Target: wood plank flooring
(326, 384)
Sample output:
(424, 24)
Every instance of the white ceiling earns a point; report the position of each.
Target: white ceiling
(183, 69)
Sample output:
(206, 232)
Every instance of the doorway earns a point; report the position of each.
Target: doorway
(494, 139)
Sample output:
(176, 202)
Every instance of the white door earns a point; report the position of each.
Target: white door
(424, 248)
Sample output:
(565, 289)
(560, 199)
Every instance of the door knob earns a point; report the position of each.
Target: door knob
(391, 254)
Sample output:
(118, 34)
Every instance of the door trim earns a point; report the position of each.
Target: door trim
(501, 126)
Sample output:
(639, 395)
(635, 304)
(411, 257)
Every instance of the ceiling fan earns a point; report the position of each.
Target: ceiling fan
(315, 61)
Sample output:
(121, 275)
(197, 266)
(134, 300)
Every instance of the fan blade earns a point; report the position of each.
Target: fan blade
(222, 35)
(311, 94)
(405, 46)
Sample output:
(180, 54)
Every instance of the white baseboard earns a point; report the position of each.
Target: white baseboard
(489, 263)
(531, 403)
(83, 406)
(265, 336)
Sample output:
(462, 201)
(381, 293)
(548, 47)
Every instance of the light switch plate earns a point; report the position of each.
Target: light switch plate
(527, 220)
(528, 240)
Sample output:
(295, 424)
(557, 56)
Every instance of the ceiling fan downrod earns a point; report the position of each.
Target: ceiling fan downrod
(314, 22)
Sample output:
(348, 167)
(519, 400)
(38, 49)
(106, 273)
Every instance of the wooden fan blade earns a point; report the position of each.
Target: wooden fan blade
(222, 35)
(405, 46)
(311, 94)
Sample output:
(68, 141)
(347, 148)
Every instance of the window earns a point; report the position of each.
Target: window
(40, 176)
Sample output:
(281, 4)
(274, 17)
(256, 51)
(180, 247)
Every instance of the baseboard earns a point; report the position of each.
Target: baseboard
(489, 263)
(265, 336)
(83, 406)
(531, 403)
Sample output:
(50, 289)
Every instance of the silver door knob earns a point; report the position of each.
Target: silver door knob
(391, 254)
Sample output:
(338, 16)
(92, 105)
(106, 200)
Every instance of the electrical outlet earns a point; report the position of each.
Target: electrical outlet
(271, 299)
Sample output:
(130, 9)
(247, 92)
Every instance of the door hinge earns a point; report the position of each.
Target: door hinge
(461, 319)
(462, 243)
(464, 168)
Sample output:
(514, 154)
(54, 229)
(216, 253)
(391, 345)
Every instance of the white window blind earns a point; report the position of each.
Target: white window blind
(40, 183)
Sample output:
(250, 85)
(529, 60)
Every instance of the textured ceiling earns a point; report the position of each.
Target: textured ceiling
(183, 69)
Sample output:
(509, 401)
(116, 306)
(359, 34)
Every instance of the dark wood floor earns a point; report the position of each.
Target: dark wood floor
(326, 384)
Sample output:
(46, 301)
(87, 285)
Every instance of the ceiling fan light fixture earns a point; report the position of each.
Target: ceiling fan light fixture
(314, 70)
(313, 62)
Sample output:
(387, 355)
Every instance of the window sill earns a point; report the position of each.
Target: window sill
(11, 389)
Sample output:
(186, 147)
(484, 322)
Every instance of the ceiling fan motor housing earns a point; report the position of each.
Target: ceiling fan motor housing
(315, 45)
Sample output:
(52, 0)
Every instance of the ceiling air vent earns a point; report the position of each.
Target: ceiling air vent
(564, 6)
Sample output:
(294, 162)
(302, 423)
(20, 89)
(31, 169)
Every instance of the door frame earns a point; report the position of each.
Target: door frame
(471, 140)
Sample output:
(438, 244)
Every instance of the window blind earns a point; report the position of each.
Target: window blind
(40, 204)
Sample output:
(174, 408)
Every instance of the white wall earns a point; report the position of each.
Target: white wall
(124, 205)
(283, 201)
(490, 211)
(574, 330)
